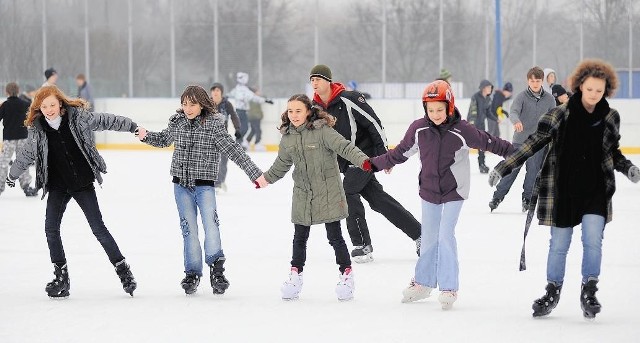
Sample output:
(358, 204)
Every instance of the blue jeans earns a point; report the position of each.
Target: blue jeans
(438, 261)
(533, 165)
(592, 234)
(189, 200)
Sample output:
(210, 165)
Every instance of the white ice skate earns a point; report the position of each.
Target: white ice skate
(362, 253)
(447, 298)
(345, 286)
(415, 292)
(292, 287)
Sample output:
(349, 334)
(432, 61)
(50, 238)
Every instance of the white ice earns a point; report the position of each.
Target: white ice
(136, 198)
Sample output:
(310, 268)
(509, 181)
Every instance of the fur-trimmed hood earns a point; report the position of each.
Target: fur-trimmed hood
(314, 125)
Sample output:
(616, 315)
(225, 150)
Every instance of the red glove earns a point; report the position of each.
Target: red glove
(257, 184)
(366, 166)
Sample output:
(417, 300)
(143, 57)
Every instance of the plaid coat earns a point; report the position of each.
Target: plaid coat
(551, 130)
(197, 146)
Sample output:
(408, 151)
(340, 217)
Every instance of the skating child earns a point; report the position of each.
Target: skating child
(199, 136)
(443, 141)
(576, 183)
(60, 142)
(310, 144)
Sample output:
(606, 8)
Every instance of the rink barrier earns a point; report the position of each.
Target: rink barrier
(396, 115)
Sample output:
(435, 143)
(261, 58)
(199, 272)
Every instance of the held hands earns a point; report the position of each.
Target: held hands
(494, 178)
(261, 182)
(238, 135)
(12, 183)
(634, 174)
(141, 133)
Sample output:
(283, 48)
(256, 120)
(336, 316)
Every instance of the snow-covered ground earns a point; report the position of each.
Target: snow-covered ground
(136, 198)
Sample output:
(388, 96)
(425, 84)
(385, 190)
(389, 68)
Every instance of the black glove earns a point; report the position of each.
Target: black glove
(238, 135)
(10, 183)
(269, 101)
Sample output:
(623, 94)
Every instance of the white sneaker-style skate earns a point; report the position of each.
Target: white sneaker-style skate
(345, 286)
(415, 292)
(362, 253)
(447, 298)
(292, 287)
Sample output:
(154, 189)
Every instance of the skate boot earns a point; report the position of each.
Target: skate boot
(190, 283)
(362, 253)
(544, 305)
(415, 292)
(418, 244)
(483, 168)
(345, 286)
(493, 204)
(588, 301)
(58, 288)
(447, 298)
(219, 283)
(30, 191)
(525, 204)
(126, 277)
(291, 288)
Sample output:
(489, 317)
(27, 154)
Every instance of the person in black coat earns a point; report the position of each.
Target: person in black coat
(479, 111)
(13, 112)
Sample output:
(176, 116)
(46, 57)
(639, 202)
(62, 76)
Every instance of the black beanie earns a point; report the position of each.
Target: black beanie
(557, 90)
(322, 71)
(49, 72)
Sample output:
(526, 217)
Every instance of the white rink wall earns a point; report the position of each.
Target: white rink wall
(396, 115)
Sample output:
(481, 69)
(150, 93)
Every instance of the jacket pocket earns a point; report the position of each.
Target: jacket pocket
(301, 206)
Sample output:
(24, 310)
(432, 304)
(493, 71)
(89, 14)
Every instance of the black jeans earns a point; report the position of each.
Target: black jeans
(358, 182)
(88, 202)
(334, 234)
(256, 131)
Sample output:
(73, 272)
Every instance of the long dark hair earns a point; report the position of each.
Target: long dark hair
(315, 113)
(198, 95)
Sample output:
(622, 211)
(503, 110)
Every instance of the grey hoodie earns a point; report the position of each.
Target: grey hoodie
(527, 108)
(546, 86)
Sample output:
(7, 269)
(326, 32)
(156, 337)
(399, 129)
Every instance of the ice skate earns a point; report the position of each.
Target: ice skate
(30, 191)
(483, 168)
(58, 288)
(544, 305)
(525, 205)
(588, 301)
(415, 292)
(291, 288)
(447, 298)
(190, 283)
(219, 283)
(126, 277)
(345, 286)
(362, 253)
(493, 204)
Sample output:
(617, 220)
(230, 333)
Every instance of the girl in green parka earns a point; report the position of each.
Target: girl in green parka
(309, 143)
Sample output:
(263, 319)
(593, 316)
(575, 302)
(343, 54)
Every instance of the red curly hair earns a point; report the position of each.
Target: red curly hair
(598, 69)
(43, 93)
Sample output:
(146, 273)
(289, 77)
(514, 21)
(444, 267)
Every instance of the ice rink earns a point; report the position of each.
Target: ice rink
(136, 198)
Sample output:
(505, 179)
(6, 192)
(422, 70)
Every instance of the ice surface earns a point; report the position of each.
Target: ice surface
(494, 301)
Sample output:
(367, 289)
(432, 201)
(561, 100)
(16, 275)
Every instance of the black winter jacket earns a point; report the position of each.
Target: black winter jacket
(13, 112)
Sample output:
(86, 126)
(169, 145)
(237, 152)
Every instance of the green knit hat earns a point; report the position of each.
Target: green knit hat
(322, 71)
(444, 74)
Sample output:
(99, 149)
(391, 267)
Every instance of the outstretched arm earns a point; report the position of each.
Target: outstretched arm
(280, 166)
(347, 149)
(106, 121)
(408, 146)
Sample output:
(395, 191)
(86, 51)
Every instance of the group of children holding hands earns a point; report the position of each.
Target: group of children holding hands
(61, 144)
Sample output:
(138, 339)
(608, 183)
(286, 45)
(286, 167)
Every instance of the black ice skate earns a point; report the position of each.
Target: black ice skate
(362, 253)
(588, 301)
(493, 204)
(219, 283)
(30, 191)
(126, 277)
(483, 168)
(58, 288)
(546, 304)
(190, 283)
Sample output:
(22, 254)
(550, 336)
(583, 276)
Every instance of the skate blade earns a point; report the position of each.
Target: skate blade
(363, 259)
(291, 299)
(60, 298)
(342, 300)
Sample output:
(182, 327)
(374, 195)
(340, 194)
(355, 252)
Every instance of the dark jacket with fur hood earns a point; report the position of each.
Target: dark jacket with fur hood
(318, 196)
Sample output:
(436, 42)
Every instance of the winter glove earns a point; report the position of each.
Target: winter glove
(634, 174)
(12, 183)
(494, 178)
(238, 135)
(269, 101)
(368, 166)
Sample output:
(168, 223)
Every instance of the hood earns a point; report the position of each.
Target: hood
(242, 78)
(316, 124)
(336, 89)
(485, 83)
(548, 71)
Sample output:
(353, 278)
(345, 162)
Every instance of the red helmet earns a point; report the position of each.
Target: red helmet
(439, 90)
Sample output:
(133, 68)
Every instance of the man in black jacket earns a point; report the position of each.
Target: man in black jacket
(479, 111)
(14, 135)
(357, 122)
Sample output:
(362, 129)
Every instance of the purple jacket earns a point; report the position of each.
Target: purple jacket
(444, 156)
